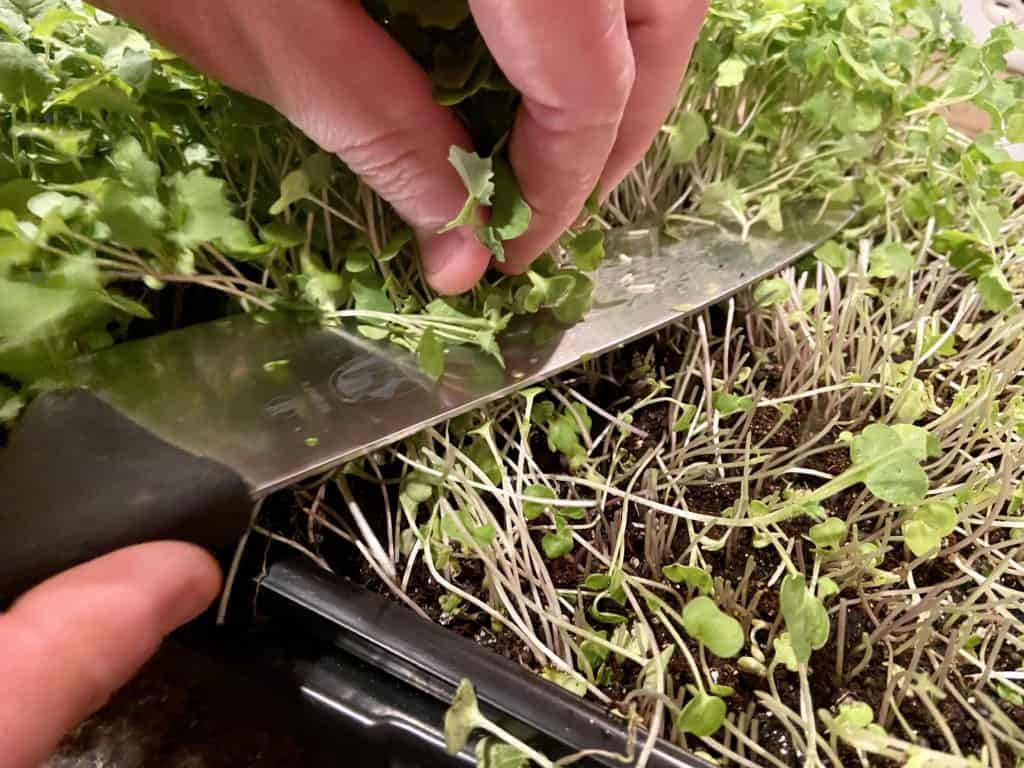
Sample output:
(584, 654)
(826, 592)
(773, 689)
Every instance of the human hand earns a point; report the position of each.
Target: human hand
(69, 644)
(598, 78)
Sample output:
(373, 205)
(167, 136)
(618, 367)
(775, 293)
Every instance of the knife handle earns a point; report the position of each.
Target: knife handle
(78, 480)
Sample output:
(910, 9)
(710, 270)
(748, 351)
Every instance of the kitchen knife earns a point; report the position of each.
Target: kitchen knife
(174, 436)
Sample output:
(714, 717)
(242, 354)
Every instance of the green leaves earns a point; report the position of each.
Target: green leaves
(559, 543)
(686, 136)
(731, 73)
(532, 509)
(834, 255)
(719, 632)
(687, 414)
(692, 577)
(587, 249)
(24, 78)
(460, 527)
(490, 180)
(891, 260)
(828, 534)
(462, 718)
(728, 404)
(702, 716)
(564, 433)
(927, 525)
(510, 215)
(477, 174)
(563, 679)
(304, 182)
(134, 167)
(491, 753)
(430, 353)
(806, 618)
(200, 212)
(890, 458)
(770, 292)
(994, 288)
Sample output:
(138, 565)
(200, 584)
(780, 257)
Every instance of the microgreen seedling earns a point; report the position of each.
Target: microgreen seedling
(559, 543)
(925, 527)
(135, 189)
(686, 136)
(806, 618)
(691, 576)
(464, 716)
(719, 632)
(702, 716)
(828, 534)
(491, 753)
(565, 680)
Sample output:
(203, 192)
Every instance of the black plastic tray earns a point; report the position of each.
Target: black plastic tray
(391, 675)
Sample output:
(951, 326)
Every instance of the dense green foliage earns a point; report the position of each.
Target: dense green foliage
(128, 175)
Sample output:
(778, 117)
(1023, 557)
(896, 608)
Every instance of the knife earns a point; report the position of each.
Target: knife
(175, 436)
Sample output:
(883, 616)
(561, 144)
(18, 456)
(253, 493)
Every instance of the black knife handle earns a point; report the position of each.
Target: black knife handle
(78, 480)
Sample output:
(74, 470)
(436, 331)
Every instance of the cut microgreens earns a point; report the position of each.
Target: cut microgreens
(490, 183)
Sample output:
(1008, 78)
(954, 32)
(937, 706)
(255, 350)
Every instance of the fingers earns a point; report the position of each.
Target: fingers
(572, 62)
(73, 641)
(344, 82)
(662, 34)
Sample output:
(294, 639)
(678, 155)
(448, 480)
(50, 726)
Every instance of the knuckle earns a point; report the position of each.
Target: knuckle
(392, 165)
(387, 160)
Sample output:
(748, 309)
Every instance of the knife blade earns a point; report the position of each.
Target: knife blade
(248, 406)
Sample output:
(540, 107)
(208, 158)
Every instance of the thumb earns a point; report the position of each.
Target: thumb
(71, 642)
(342, 80)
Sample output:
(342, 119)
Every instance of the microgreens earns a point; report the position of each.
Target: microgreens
(704, 621)
(134, 190)
(702, 716)
(806, 618)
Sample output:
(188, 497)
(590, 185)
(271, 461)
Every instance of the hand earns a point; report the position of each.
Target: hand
(598, 78)
(71, 642)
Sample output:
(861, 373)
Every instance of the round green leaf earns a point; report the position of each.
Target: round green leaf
(891, 260)
(694, 578)
(828, 534)
(920, 538)
(688, 134)
(806, 617)
(533, 509)
(702, 716)
(720, 632)
(940, 516)
(899, 480)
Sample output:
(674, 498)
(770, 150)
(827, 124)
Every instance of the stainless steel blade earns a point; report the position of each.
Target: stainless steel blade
(279, 401)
